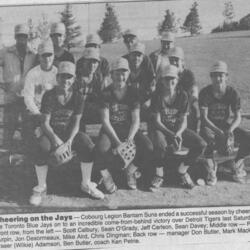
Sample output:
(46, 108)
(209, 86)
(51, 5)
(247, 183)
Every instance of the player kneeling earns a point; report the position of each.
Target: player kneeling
(120, 115)
(61, 110)
(216, 101)
(170, 108)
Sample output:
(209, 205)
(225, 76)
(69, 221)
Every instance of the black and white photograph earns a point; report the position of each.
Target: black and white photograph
(125, 105)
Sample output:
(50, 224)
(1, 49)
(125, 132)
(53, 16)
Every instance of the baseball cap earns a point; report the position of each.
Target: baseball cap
(120, 63)
(219, 66)
(167, 36)
(176, 52)
(21, 29)
(66, 67)
(129, 32)
(92, 53)
(138, 47)
(170, 71)
(93, 38)
(57, 28)
(46, 47)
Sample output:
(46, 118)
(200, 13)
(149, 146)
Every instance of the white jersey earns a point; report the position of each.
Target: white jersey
(37, 82)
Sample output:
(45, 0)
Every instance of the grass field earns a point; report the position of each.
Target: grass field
(64, 193)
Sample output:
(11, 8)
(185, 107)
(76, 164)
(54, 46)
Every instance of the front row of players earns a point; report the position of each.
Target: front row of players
(61, 114)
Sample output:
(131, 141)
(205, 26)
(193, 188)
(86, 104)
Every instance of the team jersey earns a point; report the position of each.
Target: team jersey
(120, 110)
(66, 56)
(219, 109)
(170, 113)
(61, 115)
(37, 82)
(142, 78)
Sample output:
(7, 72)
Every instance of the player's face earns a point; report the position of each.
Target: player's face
(46, 61)
(120, 76)
(129, 40)
(92, 65)
(21, 41)
(166, 45)
(219, 80)
(136, 59)
(178, 62)
(57, 39)
(169, 85)
(65, 81)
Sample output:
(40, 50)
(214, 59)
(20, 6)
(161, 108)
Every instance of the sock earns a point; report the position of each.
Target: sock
(41, 174)
(86, 170)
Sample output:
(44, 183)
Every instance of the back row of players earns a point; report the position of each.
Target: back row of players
(61, 98)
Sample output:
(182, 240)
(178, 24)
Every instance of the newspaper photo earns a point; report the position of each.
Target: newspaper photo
(125, 124)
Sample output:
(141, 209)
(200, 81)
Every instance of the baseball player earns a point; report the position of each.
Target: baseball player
(159, 58)
(61, 110)
(169, 106)
(94, 41)
(57, 35)
(141, 76)
(15, 61)
(187, 83)
(90, 83)
(120, 115)
(130, 37)
(217, 101)
(38, 80)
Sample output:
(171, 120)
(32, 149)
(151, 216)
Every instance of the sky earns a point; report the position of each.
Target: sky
(143, 16)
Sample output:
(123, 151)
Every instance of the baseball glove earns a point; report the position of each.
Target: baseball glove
(225, 144)
(61, 155)
(126, 151)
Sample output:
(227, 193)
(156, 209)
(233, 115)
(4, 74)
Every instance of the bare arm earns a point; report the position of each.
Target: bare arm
(108, 127)
(208, 123)
(160, 126)
(49, 132)
(75, 127)
(235, 122)
(135, 124)
(183, 125)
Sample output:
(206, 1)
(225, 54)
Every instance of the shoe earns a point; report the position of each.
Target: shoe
(108, 183)
(186, 181)
(132, 177)
(38, 195)
(239, 173)
(211, 167)
(91, 190)
(157, 182)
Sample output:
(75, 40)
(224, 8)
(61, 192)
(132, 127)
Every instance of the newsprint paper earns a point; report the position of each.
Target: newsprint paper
(214, 214)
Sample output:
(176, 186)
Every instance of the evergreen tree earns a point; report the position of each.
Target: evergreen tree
(168, 24)
(192, 21)
(228, 12)
(110, 28)
(73, 31)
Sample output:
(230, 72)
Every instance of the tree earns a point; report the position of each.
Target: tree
(192, 21)
(73, 31)
(228, 12)
(110, 28)
(169, 23)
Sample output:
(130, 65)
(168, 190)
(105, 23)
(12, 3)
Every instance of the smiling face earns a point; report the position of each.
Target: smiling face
(65, 81)
(136, 59)
(119, 77)
(169, 85)
(57, 39)
(219, 81)
(46, 61)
